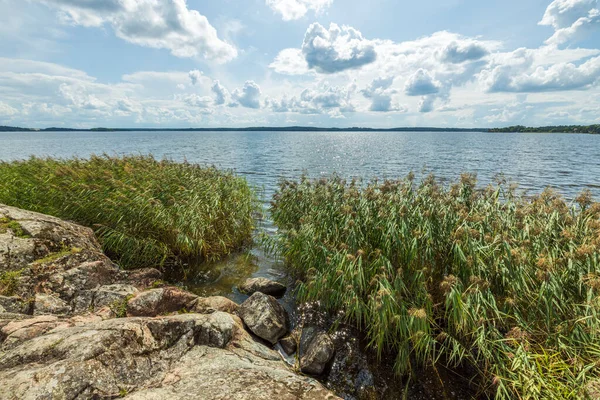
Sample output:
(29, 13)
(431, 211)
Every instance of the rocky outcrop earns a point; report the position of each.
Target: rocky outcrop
(263, 285)
(265, 317)
(204, 356)
(62, 335)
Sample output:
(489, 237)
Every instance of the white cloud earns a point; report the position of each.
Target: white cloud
(194, 75)
(290, 62)
(381, 94)
(336, 49)
(421, 83)
(296, 9)
(321, 99)
(221, 93)
(249, 95)
(6, 110)
(167, 24)
(571, 19)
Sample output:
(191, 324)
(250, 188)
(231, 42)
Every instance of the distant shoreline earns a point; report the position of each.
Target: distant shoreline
(590, 129)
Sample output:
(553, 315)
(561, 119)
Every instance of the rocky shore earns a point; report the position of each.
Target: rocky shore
(75, 326)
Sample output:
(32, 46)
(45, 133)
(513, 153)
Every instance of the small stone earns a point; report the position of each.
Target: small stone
(263, 285)
(50, 304)
(265, 317)
(289, 344)
(151, 303)
(108, 295)
(207, 305)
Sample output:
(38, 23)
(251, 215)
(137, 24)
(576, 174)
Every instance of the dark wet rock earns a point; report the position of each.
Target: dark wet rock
(316, 350)
(263, 285)
(14, 304)
(207, 356)
(289, 344)
(160, 301)
(50, 304)
(265, 317)
(207, 305)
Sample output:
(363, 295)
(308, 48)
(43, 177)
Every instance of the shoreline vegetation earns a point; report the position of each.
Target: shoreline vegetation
(145, 212)
(591, 129)
(476, 280)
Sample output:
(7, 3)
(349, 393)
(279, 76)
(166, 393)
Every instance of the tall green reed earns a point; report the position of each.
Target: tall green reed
(145, 212)
(455, 275)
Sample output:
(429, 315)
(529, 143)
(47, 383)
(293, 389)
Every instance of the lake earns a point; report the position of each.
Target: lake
(567, 162)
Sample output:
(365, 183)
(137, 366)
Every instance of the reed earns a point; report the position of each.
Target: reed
(145, 212)
(451, 274)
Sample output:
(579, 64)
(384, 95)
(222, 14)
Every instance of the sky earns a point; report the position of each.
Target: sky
(326, 63)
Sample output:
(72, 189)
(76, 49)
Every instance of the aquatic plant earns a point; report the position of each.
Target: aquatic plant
(145, 212)
(505, 284)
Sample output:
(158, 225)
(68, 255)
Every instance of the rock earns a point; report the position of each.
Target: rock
(263, 285)
(14, 304)
(206, 305)
(204, 356)
(143, 277)
(316, 350)
(109, 295)
(265, 317)
(290, 343)
(50, 304)
(155, 302)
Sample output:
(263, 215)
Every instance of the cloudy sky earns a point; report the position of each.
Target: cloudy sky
(380, 63)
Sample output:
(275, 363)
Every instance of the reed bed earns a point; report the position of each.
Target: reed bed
(145, 212)
(484, 280)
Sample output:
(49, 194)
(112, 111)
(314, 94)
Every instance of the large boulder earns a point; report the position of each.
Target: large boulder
(263, 285)
(50, 304)
(203, 356)
(265, 317)
(207, 305)
(316, 349)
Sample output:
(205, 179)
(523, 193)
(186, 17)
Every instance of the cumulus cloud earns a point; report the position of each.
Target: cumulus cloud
(249, 95)
(194, 75)
(571, 19)
(6, 110)
(221, 93)
(332, 100)
(296, 9)
(195, 100)
(290, 62)
(167, 24)
(520, 76)
(421, 83)
(380, 93)
(467, 50)
(336, 49)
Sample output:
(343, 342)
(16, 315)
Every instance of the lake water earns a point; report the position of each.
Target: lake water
(567, 162)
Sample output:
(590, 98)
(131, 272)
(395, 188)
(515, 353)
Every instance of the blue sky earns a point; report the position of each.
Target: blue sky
(380, 63)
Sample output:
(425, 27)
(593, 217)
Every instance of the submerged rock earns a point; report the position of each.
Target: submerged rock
(263, 285)
(315, 351)
(265, 317)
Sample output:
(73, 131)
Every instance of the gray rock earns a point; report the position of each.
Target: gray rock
(316, 350)
(263, 285)
(108, 295)
(155, 302)
(265, 317)
(14, 304)
(50, 304)
(204, 356)
(207, 305)
(290, 342)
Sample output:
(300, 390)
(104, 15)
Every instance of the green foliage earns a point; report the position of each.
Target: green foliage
(551, 129)
(455, 275)
(9, 281)
(16, 228)
(119, 307)
(145, 212)
(56, 255)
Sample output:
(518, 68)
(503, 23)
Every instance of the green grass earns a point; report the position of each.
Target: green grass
(16, 228)
(450, 274)
(9, 282)
(145, 212)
